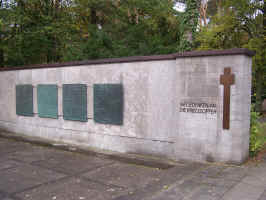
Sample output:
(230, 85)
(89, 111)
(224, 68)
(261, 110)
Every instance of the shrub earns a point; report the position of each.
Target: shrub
(257, 134)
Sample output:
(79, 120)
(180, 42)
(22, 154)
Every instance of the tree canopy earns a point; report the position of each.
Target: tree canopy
(239, 24)
(45, 31)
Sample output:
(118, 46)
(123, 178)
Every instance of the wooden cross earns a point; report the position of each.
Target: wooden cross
(227, 80)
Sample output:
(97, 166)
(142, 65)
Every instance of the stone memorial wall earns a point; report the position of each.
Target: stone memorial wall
(191, 106)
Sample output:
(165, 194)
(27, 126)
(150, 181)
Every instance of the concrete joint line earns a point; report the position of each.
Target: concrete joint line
(148, 139)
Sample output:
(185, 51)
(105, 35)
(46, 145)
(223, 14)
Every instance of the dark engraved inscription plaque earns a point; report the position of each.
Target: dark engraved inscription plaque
(47, 101)
(108, 103)
(24, 100)
(227, 80)
(75, 102)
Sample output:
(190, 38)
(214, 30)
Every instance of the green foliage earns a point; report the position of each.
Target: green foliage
(223, 33)
(239, 24)
(37, 31)
(131, 28)
(257, 134)
(189, 24)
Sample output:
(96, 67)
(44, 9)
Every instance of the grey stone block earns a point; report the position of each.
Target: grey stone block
(263, 196)
(24, 77)
(80, 189)
(244, 191)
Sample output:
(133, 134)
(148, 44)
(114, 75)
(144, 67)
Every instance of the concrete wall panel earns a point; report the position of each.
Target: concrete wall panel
(154, 93)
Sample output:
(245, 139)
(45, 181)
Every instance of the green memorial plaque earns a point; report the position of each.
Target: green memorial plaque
(75, 102)
(108, 103)
(47, 101)
(24, 100)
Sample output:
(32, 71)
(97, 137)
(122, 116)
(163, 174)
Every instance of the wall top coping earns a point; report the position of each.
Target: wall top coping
(174, 56)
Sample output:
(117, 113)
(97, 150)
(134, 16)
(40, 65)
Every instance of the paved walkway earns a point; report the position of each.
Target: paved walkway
(29, 172)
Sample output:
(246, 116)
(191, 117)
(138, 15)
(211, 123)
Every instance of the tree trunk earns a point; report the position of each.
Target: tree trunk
(1, 50)
(203, 13)
(264, 16)
(1, 58)
(219, 7)
(93, 16)
(264, 21)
